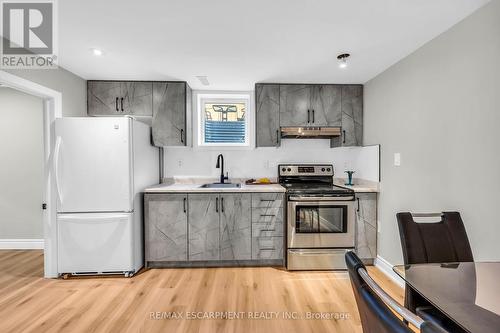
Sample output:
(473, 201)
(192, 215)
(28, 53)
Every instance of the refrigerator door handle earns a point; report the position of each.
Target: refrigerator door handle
(57, 151)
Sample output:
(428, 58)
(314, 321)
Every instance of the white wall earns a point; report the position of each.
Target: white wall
(440, 108)
(263, 162)
(21, 178)
(72, 87)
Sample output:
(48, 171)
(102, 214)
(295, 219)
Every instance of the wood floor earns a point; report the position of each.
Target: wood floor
(30, 303)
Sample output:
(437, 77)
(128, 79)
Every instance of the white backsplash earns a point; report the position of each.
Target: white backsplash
(263, 162)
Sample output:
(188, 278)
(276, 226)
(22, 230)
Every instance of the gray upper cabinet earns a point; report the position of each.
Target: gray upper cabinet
(326, 105)
(267, 102)
(165, 227)
(295, 100)
(235, 226)
(204, 229)
(106, 98)
(352, 115)
(170, 102)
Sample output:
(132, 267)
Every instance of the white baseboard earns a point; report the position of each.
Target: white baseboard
(21, 244)
(386, 268)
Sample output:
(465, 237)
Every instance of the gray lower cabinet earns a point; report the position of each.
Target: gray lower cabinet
(267, 226)
(170, 102)
(352, 115)
(166, 228)
(204, 227)
(111, 98)
(366, 226)
(235, 226)
(267, 105)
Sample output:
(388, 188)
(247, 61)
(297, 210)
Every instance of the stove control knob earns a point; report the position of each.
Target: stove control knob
(283, 169)
(289, 169)
(328, 169)
(323, 169)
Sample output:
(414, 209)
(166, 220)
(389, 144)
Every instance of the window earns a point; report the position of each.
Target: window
(223, 120)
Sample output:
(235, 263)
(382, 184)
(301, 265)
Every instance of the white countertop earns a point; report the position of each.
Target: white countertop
(183, 187)
(360, 185)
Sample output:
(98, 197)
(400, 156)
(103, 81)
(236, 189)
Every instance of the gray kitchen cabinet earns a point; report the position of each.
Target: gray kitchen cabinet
(165, 229)
(111, 98)
(235, 226)
(352, 115)
(170, 103)
(204, 227)
(267, 105)
(295, 100)
(267, 226)
(326, 105)
(366, 226)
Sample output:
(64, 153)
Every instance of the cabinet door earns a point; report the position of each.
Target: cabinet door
(203, 224)
(235, 226)
(103, 98)
(169, 113)
(352, 115)
(326, 105)
(366, 228)
(166, 227)
(267, 102)
(295, 102)
(137, 98)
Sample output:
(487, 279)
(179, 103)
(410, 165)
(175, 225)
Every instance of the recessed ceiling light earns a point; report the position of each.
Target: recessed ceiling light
(96, 52)
(203, 80)
(343, 59)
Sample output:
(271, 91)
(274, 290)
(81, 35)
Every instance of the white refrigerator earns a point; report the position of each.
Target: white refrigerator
(102, 164)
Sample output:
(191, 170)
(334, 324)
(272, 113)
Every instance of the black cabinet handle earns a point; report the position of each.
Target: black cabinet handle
(313, 116)
(116, 104)
(182, 135)
(222, 204)
(358, 204)
(277, 136)
(217, 204)
(184, 205)
(343, 136)
(121, 103)
(308, 116)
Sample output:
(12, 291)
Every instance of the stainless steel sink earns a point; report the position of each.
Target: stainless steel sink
(221, 185)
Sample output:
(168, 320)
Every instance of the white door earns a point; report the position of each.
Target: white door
(94, 242)
(93, 164)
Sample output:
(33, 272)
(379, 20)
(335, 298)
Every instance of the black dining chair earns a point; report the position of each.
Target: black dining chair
(374, 305)
(432, 242)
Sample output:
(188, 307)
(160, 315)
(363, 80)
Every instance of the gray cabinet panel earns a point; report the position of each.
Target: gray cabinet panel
(267, 200)
(326, 105)
(295, 100)
(203, 224)
(235, 226)
(169, 113)
(137, 98)
(267, 247)
(352, 115)
(366, 225)
(267, 113)
(103, 98)
(165, 227)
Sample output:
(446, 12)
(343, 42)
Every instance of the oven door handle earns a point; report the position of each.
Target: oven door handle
(305, 198)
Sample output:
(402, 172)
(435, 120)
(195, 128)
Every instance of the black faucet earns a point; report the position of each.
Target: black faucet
(220, 164)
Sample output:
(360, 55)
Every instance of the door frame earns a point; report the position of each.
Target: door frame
(52, 109)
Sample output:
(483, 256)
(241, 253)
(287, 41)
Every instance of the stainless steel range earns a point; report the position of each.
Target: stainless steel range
(320, 217)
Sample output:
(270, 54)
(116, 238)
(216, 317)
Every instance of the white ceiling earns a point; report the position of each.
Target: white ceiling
(238, 43)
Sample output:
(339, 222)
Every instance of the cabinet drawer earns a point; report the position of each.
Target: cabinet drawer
(267, 229)
(267, 200)
(267, 215)
(267, 248)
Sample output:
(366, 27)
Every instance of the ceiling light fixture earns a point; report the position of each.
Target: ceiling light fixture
(96, 52)
(203, 80)
(343, 59)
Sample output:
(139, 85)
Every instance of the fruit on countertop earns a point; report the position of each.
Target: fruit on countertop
(263, 180)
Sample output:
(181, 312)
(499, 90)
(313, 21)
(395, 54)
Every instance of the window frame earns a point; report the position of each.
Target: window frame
(203, 98)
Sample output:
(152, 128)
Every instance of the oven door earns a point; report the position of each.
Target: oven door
(320, 222)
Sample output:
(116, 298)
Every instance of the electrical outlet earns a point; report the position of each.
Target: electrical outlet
(397, 159)
(179, 163)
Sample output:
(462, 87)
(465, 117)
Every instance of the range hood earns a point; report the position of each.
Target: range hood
(310, 132)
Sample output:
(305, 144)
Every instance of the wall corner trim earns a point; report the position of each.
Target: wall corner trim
(21, 244)
(386, 268)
